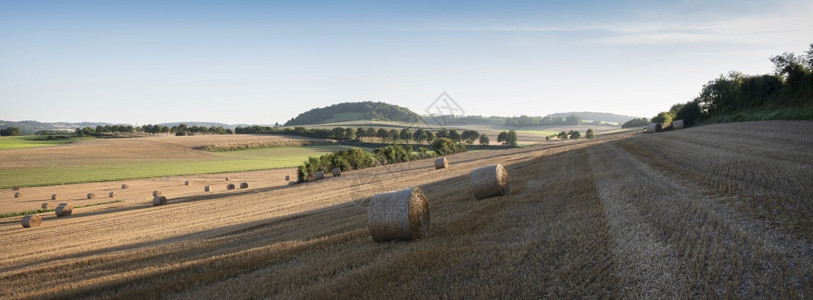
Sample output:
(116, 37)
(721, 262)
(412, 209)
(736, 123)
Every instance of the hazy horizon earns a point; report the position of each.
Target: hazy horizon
(257, 62)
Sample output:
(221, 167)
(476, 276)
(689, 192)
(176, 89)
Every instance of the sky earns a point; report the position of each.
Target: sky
(260, 62)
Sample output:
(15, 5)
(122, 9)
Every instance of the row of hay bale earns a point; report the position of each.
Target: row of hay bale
(35, 220)
(66, 209)
(404, 214)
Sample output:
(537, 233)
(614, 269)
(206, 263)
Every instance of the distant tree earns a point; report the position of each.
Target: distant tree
(229, 131)
(454, 136)
(370, 132)
(337, 133)
(383, 134)
(430, 136)
(443, 133)
(360, 133)
(484, 140)
(502, 137)
(10, 131)
(511, 139)
(349, 134)
(419, 136)
(405, 135)
(469, 136)
(562, 135)
(589, 134)
(393, 135)
(574, 135)
(165, 130)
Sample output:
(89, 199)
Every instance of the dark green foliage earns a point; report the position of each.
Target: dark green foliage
(508, 138)
(574, 134)
(786, 94)
(689, 113)
(511, 138)
(405, 134)
(589, 134)
(642, 122)
(454, 136)
(10, 131)
(445, 146)
(484, 141)
(469, 136)
(663, 118)
(562, 135)
(393, 154)
(370, 111)
(351, 159)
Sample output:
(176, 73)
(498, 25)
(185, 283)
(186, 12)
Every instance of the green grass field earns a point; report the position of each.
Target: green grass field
(19, 142)
(107, 170)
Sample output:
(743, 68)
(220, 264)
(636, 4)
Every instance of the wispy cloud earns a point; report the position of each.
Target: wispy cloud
(766, 28)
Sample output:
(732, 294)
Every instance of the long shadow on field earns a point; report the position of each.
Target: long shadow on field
(258, 230)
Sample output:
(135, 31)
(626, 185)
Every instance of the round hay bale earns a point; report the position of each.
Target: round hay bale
(336, 172)
(244, 185)
(230, 186)
(399, 215)
(31, 221)
(18, 194)
(125, 186)
(159, 200)
(651, 128)
(441, 163)
(91, 195)
(54, 197)
(677, 124)
(319, 175)
(15, 188)
(112, 195)
(45, 205)
(207, 188)
(489, 181)
(156, 193)
(287, 177)
(64, 210)
(186, 182)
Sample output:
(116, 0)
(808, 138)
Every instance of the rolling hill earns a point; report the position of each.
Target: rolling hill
(353, 111)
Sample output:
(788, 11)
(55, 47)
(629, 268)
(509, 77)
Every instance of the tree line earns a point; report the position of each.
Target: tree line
(180, 130)
(785, 94)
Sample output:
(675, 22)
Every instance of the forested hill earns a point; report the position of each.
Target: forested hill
(352, 111)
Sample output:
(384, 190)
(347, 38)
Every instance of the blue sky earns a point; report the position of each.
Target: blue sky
(262, 62)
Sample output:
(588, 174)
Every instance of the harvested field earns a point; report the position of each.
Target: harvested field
(719, 211)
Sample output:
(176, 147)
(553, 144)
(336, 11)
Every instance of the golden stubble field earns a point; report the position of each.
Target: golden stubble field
(714, 211)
